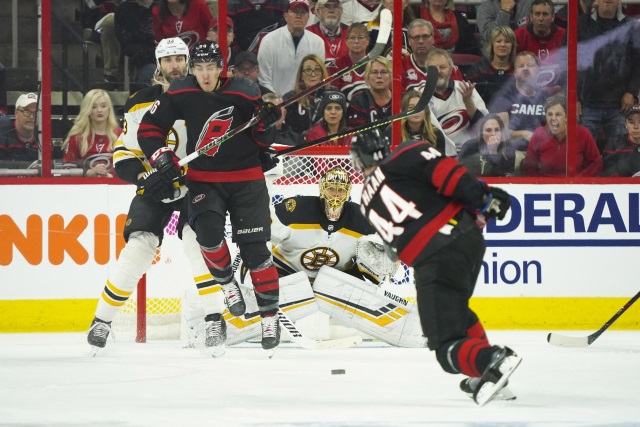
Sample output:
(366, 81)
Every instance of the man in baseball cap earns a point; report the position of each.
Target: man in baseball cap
(17, 138)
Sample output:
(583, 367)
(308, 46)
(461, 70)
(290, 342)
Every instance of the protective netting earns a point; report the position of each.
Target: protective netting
(294, 175)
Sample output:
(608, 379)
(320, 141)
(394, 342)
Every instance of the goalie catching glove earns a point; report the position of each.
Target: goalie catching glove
(167, 164)
(372, 258)
(497, 203)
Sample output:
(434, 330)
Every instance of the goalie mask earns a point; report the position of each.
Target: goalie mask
(335, 187)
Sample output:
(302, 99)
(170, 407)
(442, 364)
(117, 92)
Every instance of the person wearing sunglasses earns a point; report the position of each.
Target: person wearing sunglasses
(18, 142)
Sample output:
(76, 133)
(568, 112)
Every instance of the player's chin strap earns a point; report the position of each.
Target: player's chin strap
(423, 102)
(381, 42)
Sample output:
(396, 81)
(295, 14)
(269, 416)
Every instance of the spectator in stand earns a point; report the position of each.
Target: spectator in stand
(301, 115)
(521, 103)
(282, 50)
(332, 31)
(188, 19)
(489, 153)
(584, 7)
(285, 136)
(90, 142)
(544, 38)
(360, 11)
(420, 127)
(133, 22)
(547, 152)
(232, 51)
(373, 26)
(253, 19)
(3, 90)
(501, 13)
(456, 104)
(100, 23)
(357, 42)
(18, 141)
(332, 110)
(414, 65)
(496, 68)
(608, 68)
(375, 103)
(452, 31)
(621, 156)
(246, 65)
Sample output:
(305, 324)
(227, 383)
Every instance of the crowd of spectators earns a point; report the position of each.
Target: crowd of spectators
(500, 96)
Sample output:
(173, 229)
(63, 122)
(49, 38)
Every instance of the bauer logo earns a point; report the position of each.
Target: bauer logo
(198, 198)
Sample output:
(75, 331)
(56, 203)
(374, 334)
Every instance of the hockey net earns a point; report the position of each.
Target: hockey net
(296, 174)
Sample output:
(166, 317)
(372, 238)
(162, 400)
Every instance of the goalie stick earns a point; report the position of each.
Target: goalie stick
(423, 102)
(297, 336)
(381, 42)
(567, 341)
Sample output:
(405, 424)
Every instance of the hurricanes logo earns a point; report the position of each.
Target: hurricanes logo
(216, 127)
(315, 258)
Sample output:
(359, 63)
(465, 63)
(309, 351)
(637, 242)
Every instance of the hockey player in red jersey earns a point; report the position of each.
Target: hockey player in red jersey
(151, 210)
(425, 207)
(227, 178)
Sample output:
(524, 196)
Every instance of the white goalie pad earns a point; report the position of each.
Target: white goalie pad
(296, 300)
(367, 308)
(372, 258)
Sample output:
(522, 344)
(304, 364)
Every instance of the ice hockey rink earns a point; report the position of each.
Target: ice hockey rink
(50, 380)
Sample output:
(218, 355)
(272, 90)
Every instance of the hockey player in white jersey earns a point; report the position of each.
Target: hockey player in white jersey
(151, 210)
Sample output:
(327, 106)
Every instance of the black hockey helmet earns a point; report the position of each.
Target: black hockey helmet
(206, 51)
(369, 148)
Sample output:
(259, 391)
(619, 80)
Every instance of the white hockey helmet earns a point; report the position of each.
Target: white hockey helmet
(335, 188)
(171, 46)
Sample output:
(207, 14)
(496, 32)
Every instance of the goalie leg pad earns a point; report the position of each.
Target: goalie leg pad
(135, 259)
(296, 299)
(367, 308)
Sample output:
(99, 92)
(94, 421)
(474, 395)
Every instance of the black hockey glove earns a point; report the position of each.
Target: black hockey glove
(497, 204)
(151, 184)
(268, 159)
(166, 162)
(269, 114)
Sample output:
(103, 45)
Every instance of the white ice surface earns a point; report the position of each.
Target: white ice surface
(49, 380)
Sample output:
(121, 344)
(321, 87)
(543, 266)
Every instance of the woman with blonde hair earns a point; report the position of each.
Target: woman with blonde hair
(300, 114)
(497, 66)
(423, 126)
(375, 103)
(91, 140)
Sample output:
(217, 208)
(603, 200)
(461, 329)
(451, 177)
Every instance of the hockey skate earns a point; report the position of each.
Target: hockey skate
(216, 334)
(469, 385)
(98, 334)
(234, 299)
(503, 363)
(270, 332)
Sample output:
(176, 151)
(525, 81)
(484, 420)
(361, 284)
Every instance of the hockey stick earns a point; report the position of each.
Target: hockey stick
(381, 42)
(567, 341)
(423, 102)
(297, 336)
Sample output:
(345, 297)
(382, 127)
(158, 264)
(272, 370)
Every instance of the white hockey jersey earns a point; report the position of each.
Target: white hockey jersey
(127, 148)
(304, 239)
(452, 114)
